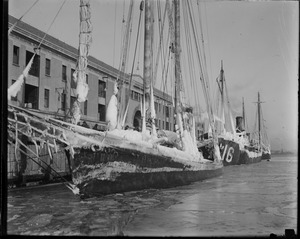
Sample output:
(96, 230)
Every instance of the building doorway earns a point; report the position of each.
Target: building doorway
(137, 121)
(31, 96)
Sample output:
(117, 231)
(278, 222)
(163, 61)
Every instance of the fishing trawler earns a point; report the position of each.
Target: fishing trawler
(234, 141)
(119, 160)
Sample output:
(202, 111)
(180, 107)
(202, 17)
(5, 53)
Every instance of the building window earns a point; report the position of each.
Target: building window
(167, 111)
(101, 112)
(85, 107)
(63, 101)
(73, 84)
(46, 98)
(64, 73)
(72, 100)
(101, 89)
(35, 67)
(156, 106)
(16, 97)
(167, 125)
(48, 67)
(16, 55)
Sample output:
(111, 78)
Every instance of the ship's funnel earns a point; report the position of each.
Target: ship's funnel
(239, 124)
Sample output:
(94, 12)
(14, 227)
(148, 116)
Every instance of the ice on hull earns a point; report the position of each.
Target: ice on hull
(99, 173)
(245, 158)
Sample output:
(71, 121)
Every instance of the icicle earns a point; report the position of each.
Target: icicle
(73, 188)
(55, 146)
(72, 151)
(15, 87)
(36, 147)
(49, 150)
(153, 115)
(112, 110)
(16, 144)
(143, 116)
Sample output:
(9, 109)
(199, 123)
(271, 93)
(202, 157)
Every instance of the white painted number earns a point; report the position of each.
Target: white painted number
(228, 153)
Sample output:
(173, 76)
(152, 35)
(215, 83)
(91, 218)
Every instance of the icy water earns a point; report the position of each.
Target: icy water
(248, 200)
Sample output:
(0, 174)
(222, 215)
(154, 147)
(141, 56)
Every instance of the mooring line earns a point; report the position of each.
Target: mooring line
(71, 186)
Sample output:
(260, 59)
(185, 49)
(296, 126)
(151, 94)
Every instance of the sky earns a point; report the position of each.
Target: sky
(256, 40)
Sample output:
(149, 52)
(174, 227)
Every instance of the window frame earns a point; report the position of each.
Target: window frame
(64, 73)
(17, 56)
(46, 99)
(47, 69)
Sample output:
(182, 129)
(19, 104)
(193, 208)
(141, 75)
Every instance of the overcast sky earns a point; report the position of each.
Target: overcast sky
(257, 41)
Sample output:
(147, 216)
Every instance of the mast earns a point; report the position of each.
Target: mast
(85, 39)
(148, 34)
(178, 83)
(121, 78)
(244, 120)
(259, 117)
(258, 114)
(221, 88)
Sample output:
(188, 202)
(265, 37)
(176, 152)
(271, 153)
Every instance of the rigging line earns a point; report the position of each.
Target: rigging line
(205, 10)
(165, 69)
(163, 55)
(130, 81)
(115, 33)
(161, 28)
(126, 44)
(25, 153)
(139, 49)
(187, 46)
(164, 60)
(13, 26)
(202, 41)
(51, 23)
(229, 109)
(191, 57)
(196, 42)
(203, 80)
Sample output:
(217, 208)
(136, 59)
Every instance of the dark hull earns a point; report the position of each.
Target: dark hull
(131, 170)
(266, 156)
(245, 159)
(232, 154)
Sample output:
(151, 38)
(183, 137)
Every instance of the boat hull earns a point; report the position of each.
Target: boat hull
(246, 159)
(265, 156)
(115, 170)
(232, 154)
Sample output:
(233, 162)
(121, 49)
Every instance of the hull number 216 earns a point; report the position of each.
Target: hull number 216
(227, 153)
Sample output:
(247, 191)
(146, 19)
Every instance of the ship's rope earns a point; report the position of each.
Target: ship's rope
(48, 169)
(160, 51)
(13, 26)
(14, 88)
(203, 76)
(133, 64)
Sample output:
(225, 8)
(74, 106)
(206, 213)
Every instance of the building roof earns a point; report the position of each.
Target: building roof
(27, 31)
(35, 34)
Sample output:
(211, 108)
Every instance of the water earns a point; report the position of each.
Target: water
(248, 200)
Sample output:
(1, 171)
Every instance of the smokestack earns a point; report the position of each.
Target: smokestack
(239, 124)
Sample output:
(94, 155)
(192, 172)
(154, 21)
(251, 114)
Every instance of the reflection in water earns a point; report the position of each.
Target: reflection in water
(257, 199)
